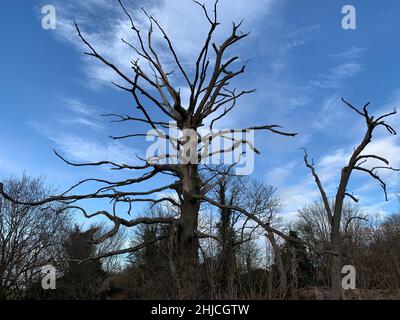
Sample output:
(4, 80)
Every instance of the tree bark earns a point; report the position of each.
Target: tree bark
(336, 263)
(336, 242)
(188, 243)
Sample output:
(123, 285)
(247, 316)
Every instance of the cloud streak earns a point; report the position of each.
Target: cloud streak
(90, 150)
(336, 75)
(106, 34)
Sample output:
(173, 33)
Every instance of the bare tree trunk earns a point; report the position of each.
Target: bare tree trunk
(336, 263)
(279, 263)
(336, 286)
(188, 243)
(336, 242)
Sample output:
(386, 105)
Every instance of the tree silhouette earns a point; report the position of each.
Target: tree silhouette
(152, 88)
(357, 159)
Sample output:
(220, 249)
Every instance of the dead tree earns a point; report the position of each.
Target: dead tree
(154, 93)
(357, 159)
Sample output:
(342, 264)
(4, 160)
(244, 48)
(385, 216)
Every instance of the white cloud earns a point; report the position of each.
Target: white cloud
(82, 121)
(351, 53)
(297, 195)
(344, 71)
(329, 169)
(188, 35)
(80, 114)
(83, 149)
(306, 191)
(336, 75)
(330, 165)
(277, 176)
(388, 148)
(329, 113)
(301, 36)
(89, 150)
(79, 107)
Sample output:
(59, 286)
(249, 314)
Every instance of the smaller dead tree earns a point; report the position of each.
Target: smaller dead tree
(356, 162)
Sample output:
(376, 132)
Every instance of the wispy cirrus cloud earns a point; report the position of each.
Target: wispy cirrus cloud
(77, 106)
(329, 112)
(351, 53)
(81, 122)
(91, 150)
(81, 114)
(301, 36)
(106, 34)
(337, 75)
(83, 148)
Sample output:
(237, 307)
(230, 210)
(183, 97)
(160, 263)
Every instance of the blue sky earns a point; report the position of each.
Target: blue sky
(299, 58)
